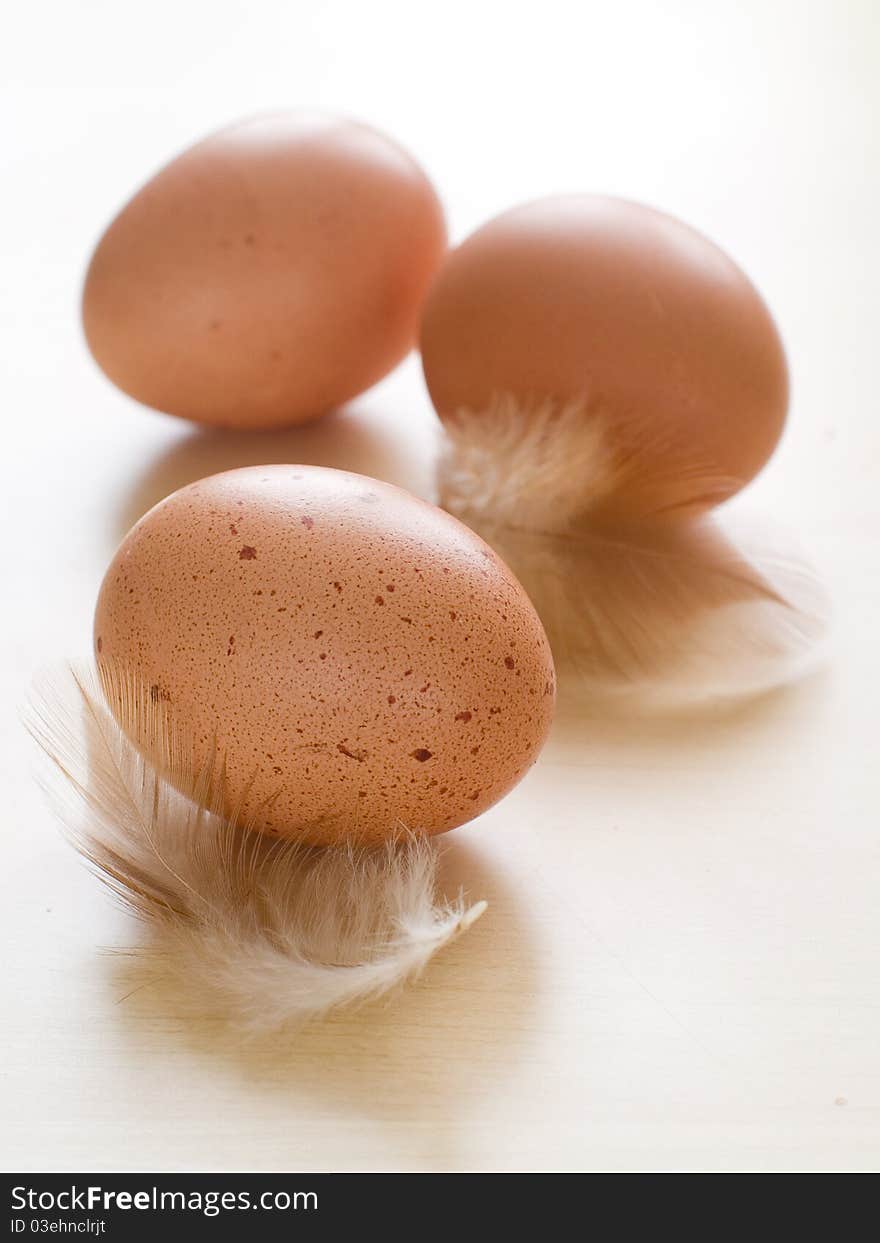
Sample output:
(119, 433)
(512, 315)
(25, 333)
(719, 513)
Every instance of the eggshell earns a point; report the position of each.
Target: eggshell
(267, 274)
(635, 314)
(363, 659)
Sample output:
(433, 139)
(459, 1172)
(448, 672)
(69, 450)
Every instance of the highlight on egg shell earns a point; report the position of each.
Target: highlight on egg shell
(615, 348)
(359, 659)
(267, 274)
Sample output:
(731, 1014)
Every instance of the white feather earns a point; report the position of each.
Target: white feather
(663, 608)
(263, 931)
(548, 466)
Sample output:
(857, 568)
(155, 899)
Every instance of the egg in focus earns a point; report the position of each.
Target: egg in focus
(639, 322)
(267, 274)
(360, 659)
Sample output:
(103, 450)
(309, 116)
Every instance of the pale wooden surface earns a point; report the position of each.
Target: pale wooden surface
(679, 967)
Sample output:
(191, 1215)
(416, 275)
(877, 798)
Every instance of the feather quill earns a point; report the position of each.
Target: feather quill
(266, 932)
(665, 608)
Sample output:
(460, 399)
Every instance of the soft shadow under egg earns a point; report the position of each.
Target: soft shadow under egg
(357, 437)
(432, 1052)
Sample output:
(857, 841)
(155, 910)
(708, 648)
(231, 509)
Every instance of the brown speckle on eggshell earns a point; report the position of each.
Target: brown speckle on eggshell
(337, 718)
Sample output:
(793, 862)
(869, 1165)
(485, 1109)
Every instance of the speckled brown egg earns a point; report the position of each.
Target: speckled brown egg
(657, 334)
(266, 275)
(362, 658)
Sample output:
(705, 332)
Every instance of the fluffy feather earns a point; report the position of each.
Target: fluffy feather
(551, 465)
(267, 932)
(665, 608)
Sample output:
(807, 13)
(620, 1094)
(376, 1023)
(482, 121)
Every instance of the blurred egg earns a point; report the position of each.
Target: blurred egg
(654, 331)
(362, 659)
(266, 275)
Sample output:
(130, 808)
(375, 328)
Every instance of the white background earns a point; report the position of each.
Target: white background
(679, 967)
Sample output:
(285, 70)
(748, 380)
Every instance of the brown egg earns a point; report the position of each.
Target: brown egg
(362, 658)
(267, 274)
(658, 335)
